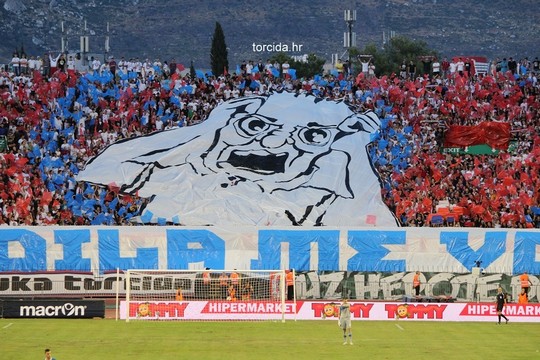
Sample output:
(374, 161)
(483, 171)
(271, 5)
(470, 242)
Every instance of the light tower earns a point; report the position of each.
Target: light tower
(107, 43)
(84, 54)
(63, 39)
(349, 37)
(85, 44)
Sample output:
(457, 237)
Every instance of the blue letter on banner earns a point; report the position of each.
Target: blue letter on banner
(109, 254)
(371, 251)
(525, 245)
(35, 251)
(457, 244)
(191, 246)
(72, 241)
(299, 249)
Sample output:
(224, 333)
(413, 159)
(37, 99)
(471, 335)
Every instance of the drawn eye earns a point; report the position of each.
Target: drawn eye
(253, 125)
(316, 137)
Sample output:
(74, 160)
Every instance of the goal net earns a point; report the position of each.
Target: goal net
(205, 295)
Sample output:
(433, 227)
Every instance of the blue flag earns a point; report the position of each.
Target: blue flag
(121, 74)
(147, 216)
(144, 120)
(292, 73)
(100, 219)
(254, 84)
(200, 74)
(88, 206)
(113, 204)
(122, 211)
(58, 179)
(166, 84)
(89, 190)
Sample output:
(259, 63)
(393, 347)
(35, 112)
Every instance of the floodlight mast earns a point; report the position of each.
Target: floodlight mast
(349, 37)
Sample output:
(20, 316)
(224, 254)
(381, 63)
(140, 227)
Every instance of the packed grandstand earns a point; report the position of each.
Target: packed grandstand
(54, 120)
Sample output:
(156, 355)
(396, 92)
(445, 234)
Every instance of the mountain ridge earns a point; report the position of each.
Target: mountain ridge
(182, 30)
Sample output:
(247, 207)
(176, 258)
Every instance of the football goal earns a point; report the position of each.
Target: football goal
(211, 295)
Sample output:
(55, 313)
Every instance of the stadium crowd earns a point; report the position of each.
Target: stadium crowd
(55, 118)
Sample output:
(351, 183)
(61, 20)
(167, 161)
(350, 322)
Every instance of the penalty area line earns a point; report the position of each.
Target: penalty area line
(399, 327)
(8, 325)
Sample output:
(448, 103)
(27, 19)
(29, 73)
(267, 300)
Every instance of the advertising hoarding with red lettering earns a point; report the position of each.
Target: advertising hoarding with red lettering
(326, 311)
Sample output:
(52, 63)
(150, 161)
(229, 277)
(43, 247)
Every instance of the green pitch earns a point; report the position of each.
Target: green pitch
(108, 339)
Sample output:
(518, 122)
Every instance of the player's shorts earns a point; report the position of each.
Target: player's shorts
(345, 324)
(500, 308)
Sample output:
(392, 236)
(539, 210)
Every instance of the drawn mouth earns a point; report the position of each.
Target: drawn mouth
(264, 164)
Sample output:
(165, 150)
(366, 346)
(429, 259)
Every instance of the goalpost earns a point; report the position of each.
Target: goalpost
(206, 295)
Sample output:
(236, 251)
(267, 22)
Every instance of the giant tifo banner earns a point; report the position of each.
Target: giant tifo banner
(328, 311)
(390, 250)
(283, 159)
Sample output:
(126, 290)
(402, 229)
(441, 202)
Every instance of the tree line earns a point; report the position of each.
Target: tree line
(387, 59)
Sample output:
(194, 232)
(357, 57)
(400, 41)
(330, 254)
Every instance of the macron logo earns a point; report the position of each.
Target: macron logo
(67, 310)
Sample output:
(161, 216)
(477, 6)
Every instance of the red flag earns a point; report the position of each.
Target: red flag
(359, 78)
(10, 171)
(508, 181)
(427, 202)
(20, 162)
(72, 79)
(478, 209)
(114, 187)
(487, 216)
(502, 191)
(46, 198)
(37, 76)
(495, 134)
(62, 76)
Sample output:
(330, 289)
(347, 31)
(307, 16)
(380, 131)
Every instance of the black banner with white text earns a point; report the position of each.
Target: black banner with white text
(43, 309)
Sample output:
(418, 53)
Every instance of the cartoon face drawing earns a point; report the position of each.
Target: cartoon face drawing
(402, 312)
(143, 310)
(281, 159)
(330, 310)
(262, 148)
